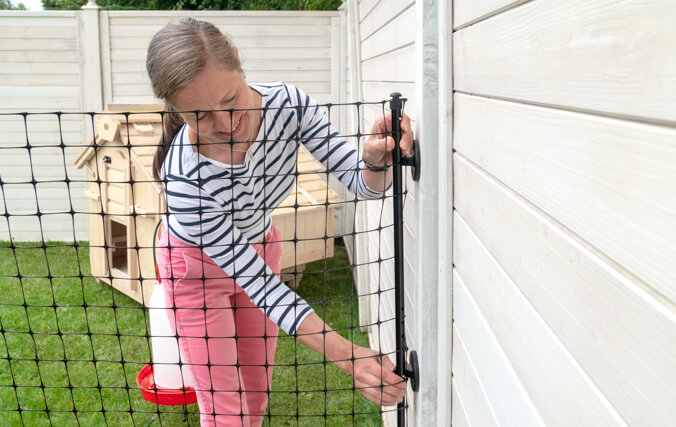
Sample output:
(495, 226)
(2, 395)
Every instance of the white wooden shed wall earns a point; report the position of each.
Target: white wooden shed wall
(84, 60)
(565, 213)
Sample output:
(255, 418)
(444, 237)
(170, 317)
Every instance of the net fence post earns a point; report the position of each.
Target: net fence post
(406, 369)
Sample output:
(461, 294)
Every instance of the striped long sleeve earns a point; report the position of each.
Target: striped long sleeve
(224, 208)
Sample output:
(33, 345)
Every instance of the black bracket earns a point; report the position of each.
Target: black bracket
(412, 371)
(413, 161)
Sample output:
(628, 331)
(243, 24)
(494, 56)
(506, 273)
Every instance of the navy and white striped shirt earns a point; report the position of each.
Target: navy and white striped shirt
(223, 208)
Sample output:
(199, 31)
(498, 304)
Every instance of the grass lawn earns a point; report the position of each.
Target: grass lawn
(70, 349)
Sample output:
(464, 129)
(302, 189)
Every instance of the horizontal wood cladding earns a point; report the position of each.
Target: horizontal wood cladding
(468, 11)
(578, 328)
(476, 404)
(508, 399)
(603, 56)
(390, 36)
(295, 49)
(559, 388)
(611, 182)
(382, 13)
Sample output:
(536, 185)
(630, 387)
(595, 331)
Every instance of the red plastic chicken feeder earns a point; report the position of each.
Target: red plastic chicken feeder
(163, 396)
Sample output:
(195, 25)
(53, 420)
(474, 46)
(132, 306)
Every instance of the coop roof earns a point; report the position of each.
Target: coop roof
(139, 125)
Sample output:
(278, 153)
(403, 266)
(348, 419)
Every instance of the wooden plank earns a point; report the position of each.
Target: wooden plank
(601, 56)
(593, 309)
(458, 413)
(44, 31)
(561, 391)
(39, 44)
(468, 11)
(611, 182)
(508, 399)
(365, 8)
(390, 36)
(290, 53)
(35, 56)
(39, 91)
(210, 14)
(235, 31)
(477, 407)
(381, 14)
(51, 104)
(36, 79)
(395, 66)
(40, 68)
(37, 21)
(223, 20)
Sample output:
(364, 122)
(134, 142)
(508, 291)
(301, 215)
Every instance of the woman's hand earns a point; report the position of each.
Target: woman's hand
(378, 147)
(377, 150)
(373, 373)
(374, 376)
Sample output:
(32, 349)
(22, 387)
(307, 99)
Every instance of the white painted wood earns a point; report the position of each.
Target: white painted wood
(335, 67)
(22, 19)
(611, 182)
(38, 91)
(232, 15)
(477, 408)
(466, 12)
(623, 339)
(561, 391)
(365, 8)
(38, 56)
(606, 56)
(39, 68)
(395, 66)
(106, 72)
(60, 80)
(235, 31)
(382, 13)
(39, 44)
(444, 210)
(508, 399)
(459, 416)
(396, 33)
(92, 87)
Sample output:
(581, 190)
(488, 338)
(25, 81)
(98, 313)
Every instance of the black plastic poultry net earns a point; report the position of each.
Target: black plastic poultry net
(132, 299)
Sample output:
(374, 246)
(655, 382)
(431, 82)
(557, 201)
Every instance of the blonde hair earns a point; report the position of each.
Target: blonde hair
(176, 55)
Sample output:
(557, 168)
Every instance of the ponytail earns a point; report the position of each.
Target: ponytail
(171, 123)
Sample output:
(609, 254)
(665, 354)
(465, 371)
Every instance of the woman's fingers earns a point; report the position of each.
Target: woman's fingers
(382, 131)
(375, 379)
(406, 142)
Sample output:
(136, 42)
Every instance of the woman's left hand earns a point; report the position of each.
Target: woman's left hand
(378, 147)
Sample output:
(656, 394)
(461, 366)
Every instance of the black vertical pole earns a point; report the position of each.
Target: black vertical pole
(406, 369)
(396, 106)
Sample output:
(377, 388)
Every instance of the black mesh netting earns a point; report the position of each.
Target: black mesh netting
(80, 236)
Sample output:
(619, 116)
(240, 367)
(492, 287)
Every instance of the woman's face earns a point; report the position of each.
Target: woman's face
(216, 88)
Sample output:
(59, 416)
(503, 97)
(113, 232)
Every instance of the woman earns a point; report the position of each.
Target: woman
(227, 160)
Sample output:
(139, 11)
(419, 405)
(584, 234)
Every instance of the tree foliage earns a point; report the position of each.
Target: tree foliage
(7, 5)
(196, 4)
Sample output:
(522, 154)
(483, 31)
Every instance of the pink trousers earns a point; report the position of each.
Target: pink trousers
(228, 342)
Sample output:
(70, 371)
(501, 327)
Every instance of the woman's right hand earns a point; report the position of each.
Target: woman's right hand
(373, 373)
(374, 376)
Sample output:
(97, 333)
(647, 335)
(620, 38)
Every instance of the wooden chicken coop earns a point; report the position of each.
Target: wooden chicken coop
(126, 203)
